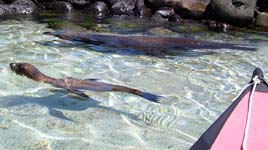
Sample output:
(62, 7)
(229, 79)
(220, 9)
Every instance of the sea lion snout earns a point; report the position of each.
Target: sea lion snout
(12, 65)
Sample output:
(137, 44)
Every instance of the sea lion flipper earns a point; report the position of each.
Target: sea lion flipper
(77, 92)
(150, 97)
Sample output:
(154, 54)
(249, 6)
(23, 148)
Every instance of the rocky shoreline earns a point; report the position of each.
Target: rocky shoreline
(218, 14)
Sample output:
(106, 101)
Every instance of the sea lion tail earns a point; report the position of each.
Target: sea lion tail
(150, 97)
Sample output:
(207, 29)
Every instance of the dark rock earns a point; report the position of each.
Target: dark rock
(174, 18)
(99, 10)
(186, 8)
(155, 4)
(262, 19)
(1, 2)
(162, 14)
(262, 5)
(59, 6)
(8, 1)
(165, 12)
(141, 10)
(79, 4)
(109, 2)
(217, 26)
(237, 12)
(42, 1)
(123, 7)
(19, 7)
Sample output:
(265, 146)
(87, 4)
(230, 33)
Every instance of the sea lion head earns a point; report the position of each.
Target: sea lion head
(25, 69)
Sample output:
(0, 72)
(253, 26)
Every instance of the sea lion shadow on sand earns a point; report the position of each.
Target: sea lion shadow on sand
(56, 103)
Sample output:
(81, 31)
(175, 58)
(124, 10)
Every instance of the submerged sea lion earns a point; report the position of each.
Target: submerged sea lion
(145, 43)
(75, 85)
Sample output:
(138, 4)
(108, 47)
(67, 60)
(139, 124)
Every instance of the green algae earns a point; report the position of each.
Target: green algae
(87, 22)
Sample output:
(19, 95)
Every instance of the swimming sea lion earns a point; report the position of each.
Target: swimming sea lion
(75, 85)
(144, 43)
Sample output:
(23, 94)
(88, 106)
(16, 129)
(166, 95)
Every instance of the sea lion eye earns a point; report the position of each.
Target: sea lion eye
(21, 68)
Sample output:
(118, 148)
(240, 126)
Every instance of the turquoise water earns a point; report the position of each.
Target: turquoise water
(196, 87)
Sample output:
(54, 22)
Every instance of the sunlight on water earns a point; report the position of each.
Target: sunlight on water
(195, 90)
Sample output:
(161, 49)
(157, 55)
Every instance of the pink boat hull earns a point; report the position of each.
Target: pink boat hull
(228, 131)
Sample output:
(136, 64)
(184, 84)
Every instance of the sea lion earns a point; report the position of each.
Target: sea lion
(75, 85)
(147, 44)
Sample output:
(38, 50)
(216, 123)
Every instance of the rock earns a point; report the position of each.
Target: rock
(187, 8)
(27, 3)
(3, 10)
(165, 12)
(155, 4)
(123, 7)
(8, 1)
(262, 19)
(79, 4)
(40, 1)
(162, 14)
(160, 31)
(110, 2)
(217, 26)
(175, 18)
(141, 10)
(262, 5)
(59, 6)
(99, 9)
(1, 2)
(238, 12)
(19, 7)
(158, 19)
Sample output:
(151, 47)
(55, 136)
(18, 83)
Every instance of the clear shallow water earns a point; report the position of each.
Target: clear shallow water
(196, 88)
